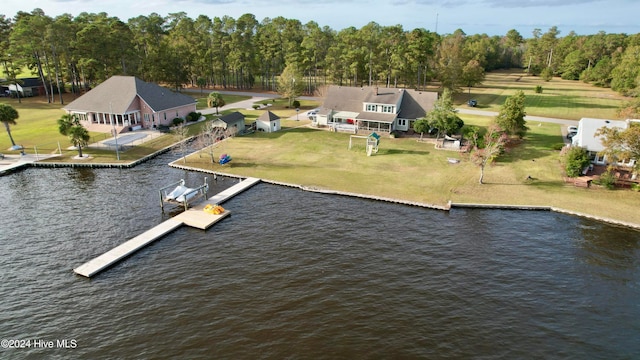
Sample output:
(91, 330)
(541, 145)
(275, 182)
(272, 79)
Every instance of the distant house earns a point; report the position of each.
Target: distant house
(126, 102)
(373, 108)
(268, 122)
(26, 87)
(586, 138)
(235, 120)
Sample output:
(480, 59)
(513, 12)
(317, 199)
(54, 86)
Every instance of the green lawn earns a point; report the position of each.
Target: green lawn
(560, 98)
(415, 171)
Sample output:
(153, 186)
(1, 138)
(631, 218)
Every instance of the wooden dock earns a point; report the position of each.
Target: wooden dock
(194, 217)
(126, 249)
(233, 191)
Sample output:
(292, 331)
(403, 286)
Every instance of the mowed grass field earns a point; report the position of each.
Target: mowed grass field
(560, 98)
(411, 170)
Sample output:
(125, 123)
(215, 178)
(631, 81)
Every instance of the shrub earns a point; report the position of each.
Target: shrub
(296, 104)
(256, 106)
(193, 116)
(177, 121)
(607, 179)
(635, 187)
(546, 74)
(576, 159)
(538, 89)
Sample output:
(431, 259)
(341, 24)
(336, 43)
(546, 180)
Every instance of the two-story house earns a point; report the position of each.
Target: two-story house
(374, 109)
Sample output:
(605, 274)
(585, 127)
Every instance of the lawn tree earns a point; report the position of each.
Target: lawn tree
(575, 159)
(621, 144)
(290, 83)
(421, 126)
(630, 109)
(494, 141)
(8, 116)
(472, 133)
(444, 117)
(181, 133)
(69, 125)
(202, 82)
(215, 100)
(209, 136)
(472, 74)
(511, 115)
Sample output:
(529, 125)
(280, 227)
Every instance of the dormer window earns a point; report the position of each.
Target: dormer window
(372, 107)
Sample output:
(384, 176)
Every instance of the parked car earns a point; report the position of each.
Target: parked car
(571, 131)
(472, 103)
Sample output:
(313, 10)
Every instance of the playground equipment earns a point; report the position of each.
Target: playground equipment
(373, 141)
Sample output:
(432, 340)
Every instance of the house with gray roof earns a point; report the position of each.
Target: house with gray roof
(373, 108)
(126, 102)
(268, 122)
(232, 122)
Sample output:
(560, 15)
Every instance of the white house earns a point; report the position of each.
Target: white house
(268, 122)
(586, 138)
(373, 108)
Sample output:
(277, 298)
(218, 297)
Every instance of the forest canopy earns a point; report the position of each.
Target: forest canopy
(245, 53)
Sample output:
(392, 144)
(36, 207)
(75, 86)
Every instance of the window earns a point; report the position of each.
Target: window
(387, 109)
(402, 122)
(372, 107)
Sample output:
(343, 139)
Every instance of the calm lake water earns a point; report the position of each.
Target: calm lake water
(298, 275)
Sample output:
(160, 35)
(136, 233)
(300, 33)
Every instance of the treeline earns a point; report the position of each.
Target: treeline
(244, 53)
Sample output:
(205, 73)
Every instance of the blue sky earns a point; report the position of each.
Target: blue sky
(493, 17)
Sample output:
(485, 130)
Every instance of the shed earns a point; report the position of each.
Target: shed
(235, 120)
(268, 122)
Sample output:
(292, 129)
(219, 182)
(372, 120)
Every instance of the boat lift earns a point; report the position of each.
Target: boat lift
(182, 195)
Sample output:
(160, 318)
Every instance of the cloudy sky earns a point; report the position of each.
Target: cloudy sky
(493, 17)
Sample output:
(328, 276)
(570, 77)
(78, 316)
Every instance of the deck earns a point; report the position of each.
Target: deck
(194, 217)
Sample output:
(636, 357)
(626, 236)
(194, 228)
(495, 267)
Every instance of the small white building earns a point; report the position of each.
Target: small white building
(586, 138)
(268, 122)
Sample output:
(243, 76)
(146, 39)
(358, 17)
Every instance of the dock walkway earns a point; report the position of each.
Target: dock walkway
(194, 217)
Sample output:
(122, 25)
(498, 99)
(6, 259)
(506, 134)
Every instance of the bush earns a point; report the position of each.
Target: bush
(546, 74)
(538, 89)
(607, 179)
(177, 121)
(296, 104)
(193, 116)
(256, 106)
(576, 159)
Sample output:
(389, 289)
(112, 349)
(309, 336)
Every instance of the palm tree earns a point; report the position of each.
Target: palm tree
(69, 125)
(215, 100)
(8, 116)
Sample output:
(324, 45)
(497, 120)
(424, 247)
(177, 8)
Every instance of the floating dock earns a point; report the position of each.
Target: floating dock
(194, 217)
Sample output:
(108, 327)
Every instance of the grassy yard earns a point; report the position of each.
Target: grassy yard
(559, 99)
(228, 99)
(415, 171)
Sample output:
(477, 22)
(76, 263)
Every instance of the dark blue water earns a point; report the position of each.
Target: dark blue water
(299, 275)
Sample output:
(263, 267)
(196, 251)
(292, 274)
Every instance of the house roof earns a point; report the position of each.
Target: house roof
(232, 118)
(417, 104)
(414, 105)
(268, 116)
(116, 94)
(587, 128)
